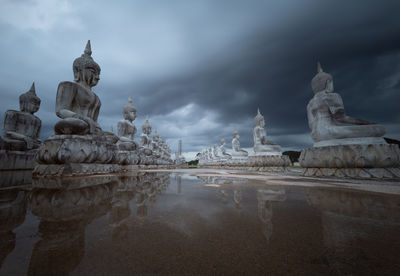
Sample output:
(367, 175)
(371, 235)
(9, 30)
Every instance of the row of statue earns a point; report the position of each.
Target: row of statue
(80, 145)
(78, 137)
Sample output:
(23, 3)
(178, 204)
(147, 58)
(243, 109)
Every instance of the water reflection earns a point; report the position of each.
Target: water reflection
(141, 224)
(12, 215)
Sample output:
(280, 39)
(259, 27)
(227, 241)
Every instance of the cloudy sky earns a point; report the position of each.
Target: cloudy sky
(200, 68)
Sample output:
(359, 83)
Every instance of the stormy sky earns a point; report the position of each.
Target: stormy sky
(201, 68)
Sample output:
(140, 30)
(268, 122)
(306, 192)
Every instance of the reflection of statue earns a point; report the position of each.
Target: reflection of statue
(76, 104)
(126, 129)
(237, 151)
(237, 198)
(261, 145)
(22, 128)
(326, 113)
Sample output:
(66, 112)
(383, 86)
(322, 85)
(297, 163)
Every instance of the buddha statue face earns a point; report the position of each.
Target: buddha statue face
(236, 134)
(223, 141)
(86, 70)
(129, 111)
(29, 102)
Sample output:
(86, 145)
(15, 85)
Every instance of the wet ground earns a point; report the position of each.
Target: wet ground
(198, 222)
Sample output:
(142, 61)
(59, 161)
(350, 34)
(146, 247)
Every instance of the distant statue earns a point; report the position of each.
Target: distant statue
(76, 104)
(210, 154)
(261, 145)
(22, 128)
(326, 113)
(236, 150)
(155, 147)
(223, 150)
(145, 136)
(126, 128)
(215, 152)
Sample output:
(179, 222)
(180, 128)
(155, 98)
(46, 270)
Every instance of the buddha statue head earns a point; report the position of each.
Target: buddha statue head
(235, 134)
(129, 111)
(86, 70)
(223, 142)
(259, 119)
(29, 102)
(322, 81)
(146, 127)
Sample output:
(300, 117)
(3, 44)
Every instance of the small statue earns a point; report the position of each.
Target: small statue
(126, 128)
(215, 152)
(144, 137)
(155, 144)
(210, 154)
(237, 151)
(326, 113)
(261, 145)
(76, 104)
(223, 150)
(22, 128)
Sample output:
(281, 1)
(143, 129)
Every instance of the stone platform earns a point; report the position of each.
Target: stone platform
(355, 160)
(17, 160)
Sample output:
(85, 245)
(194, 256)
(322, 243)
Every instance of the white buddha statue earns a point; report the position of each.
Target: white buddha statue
(328, 121)
(236, 150)
(261, 145)
(225, 155)
(126, 128)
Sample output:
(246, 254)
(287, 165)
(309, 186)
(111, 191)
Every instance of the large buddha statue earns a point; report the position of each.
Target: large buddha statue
(261, 145)
(22, 128)
(76, 104)
(225, 155)
(326, 117)
(236, 150)
(126, 128)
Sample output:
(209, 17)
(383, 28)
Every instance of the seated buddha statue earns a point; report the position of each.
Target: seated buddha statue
(236, 150)
(22, 128)
(76, 104)
(261, 144)
(223, 150)
(326, 117)
(126, 128)
(215, 152)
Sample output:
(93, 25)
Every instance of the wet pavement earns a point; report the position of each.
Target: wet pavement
(179, 223)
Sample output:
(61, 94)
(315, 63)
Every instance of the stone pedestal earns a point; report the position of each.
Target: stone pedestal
(17, 160)
(352, 160)
(76, 155)
(269, 162)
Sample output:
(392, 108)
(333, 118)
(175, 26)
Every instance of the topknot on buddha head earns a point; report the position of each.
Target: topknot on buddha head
(29, 102)
(322, 81)
(86, 70)
(259, 119)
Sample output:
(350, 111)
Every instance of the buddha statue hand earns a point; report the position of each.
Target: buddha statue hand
(94, 127)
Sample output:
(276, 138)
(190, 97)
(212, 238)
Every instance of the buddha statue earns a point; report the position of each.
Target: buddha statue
(236, 150)
(126, 128)
(215, 152)
(210, 154)
(326, 115)
(155, 147)
(261, 145)
(22, 128)
(76, 104)
(144, 137)
(225, 155)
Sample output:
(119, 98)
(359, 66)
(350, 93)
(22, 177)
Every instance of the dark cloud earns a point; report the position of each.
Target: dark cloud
(200, 69)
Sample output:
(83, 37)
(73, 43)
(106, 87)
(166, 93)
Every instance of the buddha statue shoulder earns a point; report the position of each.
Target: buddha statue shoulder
(76, 104)
(328, 121)
(22, 128)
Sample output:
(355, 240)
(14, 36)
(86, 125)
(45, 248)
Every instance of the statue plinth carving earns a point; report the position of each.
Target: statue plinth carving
(344, 146)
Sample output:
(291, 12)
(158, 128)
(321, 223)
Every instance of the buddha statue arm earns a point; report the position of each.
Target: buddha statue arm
(18, 136)
(336, 108)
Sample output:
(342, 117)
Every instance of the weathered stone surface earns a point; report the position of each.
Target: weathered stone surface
(351, 156)
(269, 161)
(17, 160)
(326, 113)
(74, 169)
(14, 178)
(361, 173)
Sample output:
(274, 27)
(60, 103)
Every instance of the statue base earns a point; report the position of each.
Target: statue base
(269, 161)
(17, 160)
(87, 149)
(352, 160)
(75, 169)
